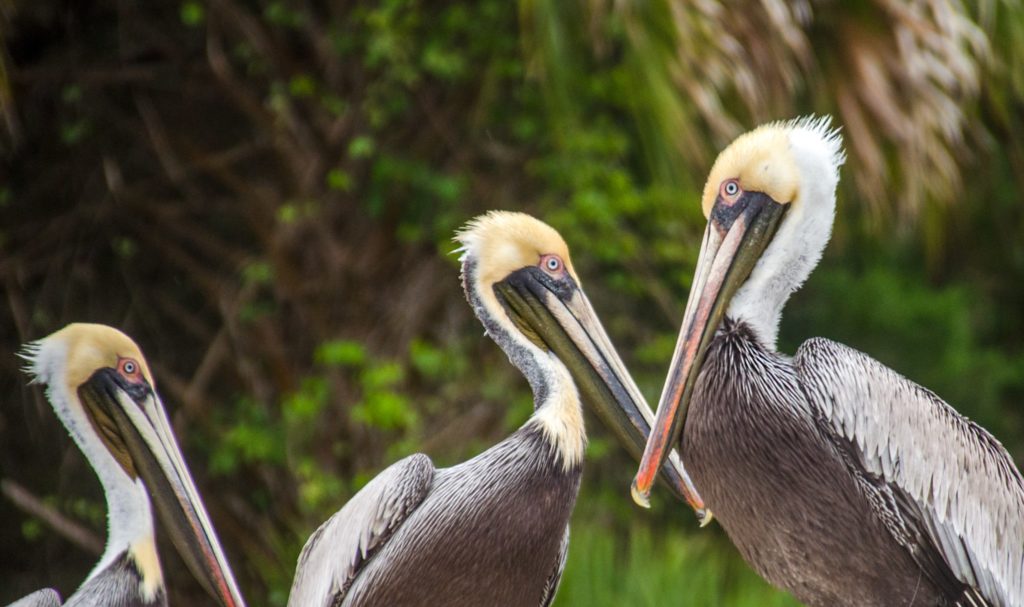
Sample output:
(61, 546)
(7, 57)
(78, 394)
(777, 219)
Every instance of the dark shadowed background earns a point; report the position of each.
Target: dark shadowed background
(263, 195)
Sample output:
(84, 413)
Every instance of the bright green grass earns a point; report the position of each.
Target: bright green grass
(676, 569)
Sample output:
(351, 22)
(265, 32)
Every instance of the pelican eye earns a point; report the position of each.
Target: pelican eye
(730, 188)
(551, 264)
(129, 368)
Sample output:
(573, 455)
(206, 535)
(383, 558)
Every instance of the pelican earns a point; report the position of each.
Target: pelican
(837, 479)
(492, 530)
(101, 389)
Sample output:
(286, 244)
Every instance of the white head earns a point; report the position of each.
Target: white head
(503, 250)
(520, 281)
(63, 362)
(101, 388)
(796, 164)
(770, 202)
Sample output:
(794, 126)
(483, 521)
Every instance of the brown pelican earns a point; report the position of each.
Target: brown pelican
(101, 389)
(494, 529)
(837, 479)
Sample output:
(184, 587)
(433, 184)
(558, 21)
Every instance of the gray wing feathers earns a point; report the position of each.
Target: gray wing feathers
(962, 480)
(46, 597)
(336, 552)
(551, 587)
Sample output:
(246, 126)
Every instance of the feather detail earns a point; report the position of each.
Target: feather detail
(961, 480)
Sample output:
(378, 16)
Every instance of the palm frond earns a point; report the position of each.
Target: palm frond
(903, 78)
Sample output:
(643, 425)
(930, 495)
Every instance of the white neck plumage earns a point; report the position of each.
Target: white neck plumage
(798, 244)
(560, 415)
(129, 516)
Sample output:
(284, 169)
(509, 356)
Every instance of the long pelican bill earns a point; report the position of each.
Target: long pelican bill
(558, 316)
(736, 236)
(132, 422)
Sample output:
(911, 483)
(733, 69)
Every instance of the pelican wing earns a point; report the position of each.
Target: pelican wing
(952, 484)
(337, 551)
(46, 597)
(551, 587)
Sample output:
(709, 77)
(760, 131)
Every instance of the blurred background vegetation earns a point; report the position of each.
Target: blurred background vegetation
(263, 194)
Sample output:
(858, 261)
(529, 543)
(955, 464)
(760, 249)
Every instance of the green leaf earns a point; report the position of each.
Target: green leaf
(302, 85)
(382, 375)
(192, 13)
(427, 359)
(361, 147)
(386, 411)
(337, 179)
(258, 272)
(341, 353)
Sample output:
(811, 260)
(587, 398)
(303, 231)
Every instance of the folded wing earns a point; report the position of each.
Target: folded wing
(46, 597)
(954, 485)
(336, 552)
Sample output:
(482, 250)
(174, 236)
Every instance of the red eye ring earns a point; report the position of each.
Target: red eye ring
(129, 368)
(730, 189)
(552, 264)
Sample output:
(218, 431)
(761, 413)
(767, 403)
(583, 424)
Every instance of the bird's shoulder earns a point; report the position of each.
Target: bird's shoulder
(340, 548)
(47, 597)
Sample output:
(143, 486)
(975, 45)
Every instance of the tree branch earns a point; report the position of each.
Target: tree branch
(72, 531)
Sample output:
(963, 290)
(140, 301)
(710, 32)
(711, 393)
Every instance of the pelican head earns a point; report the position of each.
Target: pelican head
(101, 388)
(520, 280)
(770, 203)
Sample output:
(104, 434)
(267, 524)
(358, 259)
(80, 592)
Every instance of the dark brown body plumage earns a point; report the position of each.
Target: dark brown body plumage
(491, 531)
(784, 493)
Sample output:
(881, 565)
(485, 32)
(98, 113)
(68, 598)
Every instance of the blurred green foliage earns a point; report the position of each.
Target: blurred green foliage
(264, 195)
(638, 566)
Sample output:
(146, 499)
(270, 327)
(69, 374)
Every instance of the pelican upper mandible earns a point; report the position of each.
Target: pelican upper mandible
(836, 478)
(492, 530)
(101, 389)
